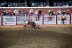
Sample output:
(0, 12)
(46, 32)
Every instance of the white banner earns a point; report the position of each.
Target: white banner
(21, 19)
(67, 21)
(50, 20)
(0, 20)
(9, 20)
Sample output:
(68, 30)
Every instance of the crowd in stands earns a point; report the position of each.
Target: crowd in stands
(21, 13)
(9, 4)
(32, 12)
(59, 12)
(34, 4)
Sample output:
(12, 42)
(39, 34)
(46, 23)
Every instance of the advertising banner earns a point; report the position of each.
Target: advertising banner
(21, 19)
(50, 20)
(9, 20)
(66, 21)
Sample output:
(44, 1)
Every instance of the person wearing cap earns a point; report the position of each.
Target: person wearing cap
(14, 12)
(59, 12)
(39, 14)
(49, 12)
(67, 12)
(4, 13)
(31, 12)
(63, 12)
(9, 13)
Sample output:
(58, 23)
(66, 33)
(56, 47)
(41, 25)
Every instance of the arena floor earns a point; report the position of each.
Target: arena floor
(50, 36)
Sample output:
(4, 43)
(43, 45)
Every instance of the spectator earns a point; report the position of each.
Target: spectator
(39, 14)
(23, 13)
(33, 4)
(5, 4)
(55, 3)
(31, 12)
(59, 12)
(44, 4)
(67, 12)
(63, 17)
(49, 12)
(10, 4)
(14, 12)
(61, 4)
(2, 4)
(27, 13)
(36, 12)
(63, 12)
(67, 5)
(9, 13)
(19, 13)
(4, 13)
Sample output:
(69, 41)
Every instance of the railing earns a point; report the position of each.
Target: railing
(45, 19)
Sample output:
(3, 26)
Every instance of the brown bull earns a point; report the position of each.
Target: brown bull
(31, 23)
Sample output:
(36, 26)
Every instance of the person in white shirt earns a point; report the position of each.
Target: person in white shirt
(14, 12)
(38, 26)
(59, 11)
(36, 12)
(31, 11)
(25, 25)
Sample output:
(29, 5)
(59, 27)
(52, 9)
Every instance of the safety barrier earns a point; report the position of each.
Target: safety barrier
(56, 19)
(44, 19)
(0, 20)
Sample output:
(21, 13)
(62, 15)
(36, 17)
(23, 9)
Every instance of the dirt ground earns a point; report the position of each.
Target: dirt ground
(49, 36)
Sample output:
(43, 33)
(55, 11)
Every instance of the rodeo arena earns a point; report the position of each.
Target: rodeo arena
(36, 27)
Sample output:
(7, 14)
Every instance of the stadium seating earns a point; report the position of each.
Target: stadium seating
(34, 4)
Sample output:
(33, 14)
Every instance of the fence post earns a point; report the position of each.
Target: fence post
(43, 18)
(56, 18)
(70, 18)
(16, 18)
(2, 19)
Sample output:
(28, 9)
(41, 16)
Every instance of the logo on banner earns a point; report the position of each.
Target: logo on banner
(49, 18)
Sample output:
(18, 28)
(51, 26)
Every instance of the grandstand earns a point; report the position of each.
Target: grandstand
(35, 3)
